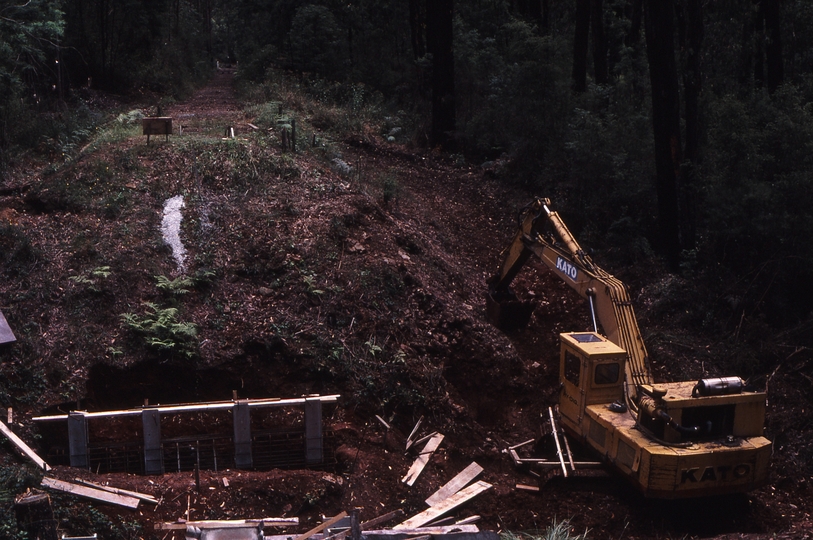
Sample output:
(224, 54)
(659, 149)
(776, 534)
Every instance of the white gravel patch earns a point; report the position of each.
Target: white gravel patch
(171, 229)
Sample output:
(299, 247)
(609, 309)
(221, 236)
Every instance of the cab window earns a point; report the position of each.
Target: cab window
(607, 373)
(572, 368)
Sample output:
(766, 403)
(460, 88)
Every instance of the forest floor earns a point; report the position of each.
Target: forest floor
(355, 266)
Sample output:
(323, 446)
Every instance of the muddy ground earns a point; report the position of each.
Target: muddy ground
(354, 266)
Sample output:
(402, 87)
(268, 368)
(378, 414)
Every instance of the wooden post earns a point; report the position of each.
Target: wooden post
(153, 455)
(293, 135)
(78, 439)
(242, 435)
(35, 515)
(355, 528)
(313, 430)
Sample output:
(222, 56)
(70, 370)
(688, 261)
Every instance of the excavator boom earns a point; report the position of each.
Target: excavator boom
(608, 297)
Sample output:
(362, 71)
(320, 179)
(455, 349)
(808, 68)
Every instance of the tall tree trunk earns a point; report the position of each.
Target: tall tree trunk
(747, 51)
(602, 75)
(439, 41)
(634, 16)
(690, 21)
(417, 27)
(580, 42)
(659, 28)
(759, 45)
(775, 72)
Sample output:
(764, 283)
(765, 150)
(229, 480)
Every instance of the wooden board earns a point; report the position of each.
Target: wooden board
(440, 529)
(441, 508)
(142, 496)
(319, 528)
(227, 524)
(455, 484)
(423, 459)
(24, 448)
(91, 493)
(158, 125)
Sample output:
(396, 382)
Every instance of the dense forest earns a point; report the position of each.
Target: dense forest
(677, 129)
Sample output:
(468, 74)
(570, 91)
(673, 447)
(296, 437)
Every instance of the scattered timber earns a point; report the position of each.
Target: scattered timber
(227, 524)
(529, 441)
(409, 441)
(24, 448)
(443, 507)
(440, 529)
(526, 487)
(422, 460)
(142, 496)
(91, 493)
(368, 525)
(319, 528)
(455, 484)
(454, 533)
(556, 439)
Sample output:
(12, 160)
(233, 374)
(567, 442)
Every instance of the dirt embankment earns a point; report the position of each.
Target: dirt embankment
(355, 268)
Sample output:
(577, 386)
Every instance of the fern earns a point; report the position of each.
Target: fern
(92, 278)
(162, 330)
(177, 286)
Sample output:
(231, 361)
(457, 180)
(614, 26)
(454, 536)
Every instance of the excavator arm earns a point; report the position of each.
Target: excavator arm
(543, 234)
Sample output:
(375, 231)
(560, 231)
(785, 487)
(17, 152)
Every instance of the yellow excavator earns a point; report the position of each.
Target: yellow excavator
(671, 439)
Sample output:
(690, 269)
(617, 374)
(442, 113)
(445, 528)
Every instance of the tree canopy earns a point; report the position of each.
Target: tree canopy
(674, 129)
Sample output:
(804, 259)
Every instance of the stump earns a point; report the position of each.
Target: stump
(35, 515)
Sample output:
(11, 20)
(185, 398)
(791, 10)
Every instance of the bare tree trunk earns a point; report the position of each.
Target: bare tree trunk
(580, 43)
(439, 41)
(690, 20)
(759, 43)
(775, 72)
(659, 28)
(602, 75)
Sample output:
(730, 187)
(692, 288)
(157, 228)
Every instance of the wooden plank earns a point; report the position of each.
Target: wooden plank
(443, 529)
(422, 460)
(194, 407)
(91, 493)
(319, 528)
(525, 487)
(455, 484)
(466, 521)
(227, 524)
(375, 522)
(529, 441)
(24, 448)
(453, 535)
(443, 507)
(556, 439)
(142, 496)
(409, 442)
(386, 425)
(368, 525)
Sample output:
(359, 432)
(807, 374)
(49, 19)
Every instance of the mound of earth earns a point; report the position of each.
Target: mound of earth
(355, 267)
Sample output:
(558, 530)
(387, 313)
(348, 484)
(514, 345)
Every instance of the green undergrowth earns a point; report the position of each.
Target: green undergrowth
(557, 530)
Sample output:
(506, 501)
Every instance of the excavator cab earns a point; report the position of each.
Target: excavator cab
(591, 371)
